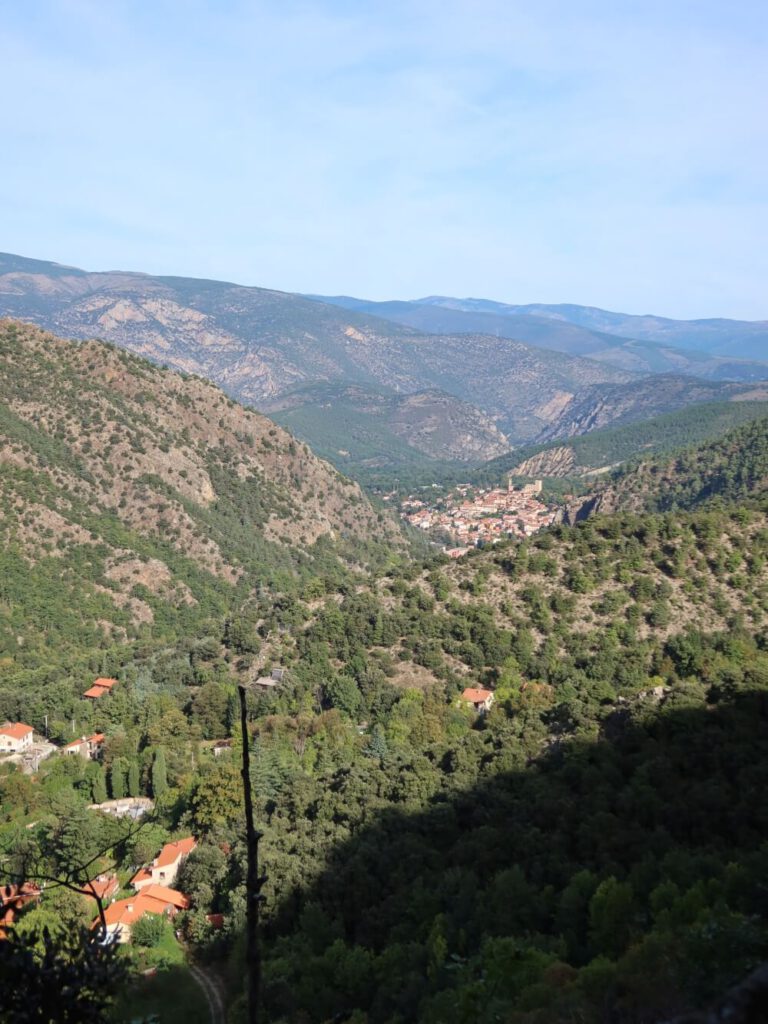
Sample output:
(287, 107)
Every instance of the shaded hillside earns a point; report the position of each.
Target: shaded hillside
(592, 846)
(562, 335)
(257, 343)
(362, 429)
(136, 502)
(615, 880)
(732, 339)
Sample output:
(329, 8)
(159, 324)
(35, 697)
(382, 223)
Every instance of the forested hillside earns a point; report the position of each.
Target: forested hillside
(729, 469)
(605, 448)
(139, 505)
(591, 849)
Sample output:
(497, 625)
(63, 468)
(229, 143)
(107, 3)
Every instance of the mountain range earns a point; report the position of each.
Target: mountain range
(712, 349)
(436, 379)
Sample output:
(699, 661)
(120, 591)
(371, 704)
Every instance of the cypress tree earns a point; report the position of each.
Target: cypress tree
(133, 779)
(117, 778)
(99, 786)
(159, 776)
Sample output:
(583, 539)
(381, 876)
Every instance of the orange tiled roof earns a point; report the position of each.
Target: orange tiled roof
(96, 739)
(12, 899)
(18, 730)
(104, 886)
(165, 895)
(476, 696)
(100, 686)
(171, 852)
(96, 691)
(129, 910)
(142, 875)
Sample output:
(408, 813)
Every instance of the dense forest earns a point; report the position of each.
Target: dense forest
(591, 849)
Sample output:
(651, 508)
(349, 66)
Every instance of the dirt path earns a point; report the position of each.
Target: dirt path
(210, 987)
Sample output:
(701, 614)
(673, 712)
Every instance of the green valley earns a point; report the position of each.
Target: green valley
(521, 785)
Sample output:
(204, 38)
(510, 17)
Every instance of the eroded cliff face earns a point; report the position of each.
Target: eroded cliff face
(555, 462)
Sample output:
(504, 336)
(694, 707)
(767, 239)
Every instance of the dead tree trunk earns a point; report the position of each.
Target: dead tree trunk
(253, 881)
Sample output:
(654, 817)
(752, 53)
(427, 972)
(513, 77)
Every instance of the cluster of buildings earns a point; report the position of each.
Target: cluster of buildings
(154, 892)
(152, 885)
(19, 745)
(471, 517)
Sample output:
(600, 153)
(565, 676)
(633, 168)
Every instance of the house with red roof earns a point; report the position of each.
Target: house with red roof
(103, 887)
(481, 700)
(15, 737)
(121, 915)
(88, 747)
(12, 899)
(165, 867)
(99, 688)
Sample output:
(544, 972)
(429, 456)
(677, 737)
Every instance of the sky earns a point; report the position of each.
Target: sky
(603, 153)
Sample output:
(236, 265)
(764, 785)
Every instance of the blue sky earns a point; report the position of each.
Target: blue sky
(606, 153)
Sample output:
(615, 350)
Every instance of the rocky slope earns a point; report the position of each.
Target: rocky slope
(617, 405)
(366, 425)
(147, 493)
(258, 344)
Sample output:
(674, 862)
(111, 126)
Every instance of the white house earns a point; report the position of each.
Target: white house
(164, 868)
(15, 737)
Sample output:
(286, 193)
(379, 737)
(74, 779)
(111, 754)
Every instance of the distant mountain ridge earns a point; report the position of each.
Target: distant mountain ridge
(734, 339)
(258, 343)
(555, 331)
(261, 345)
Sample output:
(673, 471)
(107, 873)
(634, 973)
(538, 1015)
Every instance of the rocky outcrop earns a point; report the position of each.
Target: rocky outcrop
(553, 462)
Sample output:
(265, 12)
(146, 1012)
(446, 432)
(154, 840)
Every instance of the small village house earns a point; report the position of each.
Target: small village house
(481, 700)
(87, 747)
(14, 898)
(165, 867)
(122, 915)
(269, 682)
(104, 887)
(99, 688)
(126, 807)
(15, 737)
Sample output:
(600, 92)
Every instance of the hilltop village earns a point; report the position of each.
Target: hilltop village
(470, 517)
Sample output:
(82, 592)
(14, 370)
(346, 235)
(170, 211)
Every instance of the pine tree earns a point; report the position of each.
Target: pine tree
(267, 775)
(378, 743)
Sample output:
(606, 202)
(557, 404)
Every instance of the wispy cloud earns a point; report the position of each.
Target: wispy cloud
(596, 152)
